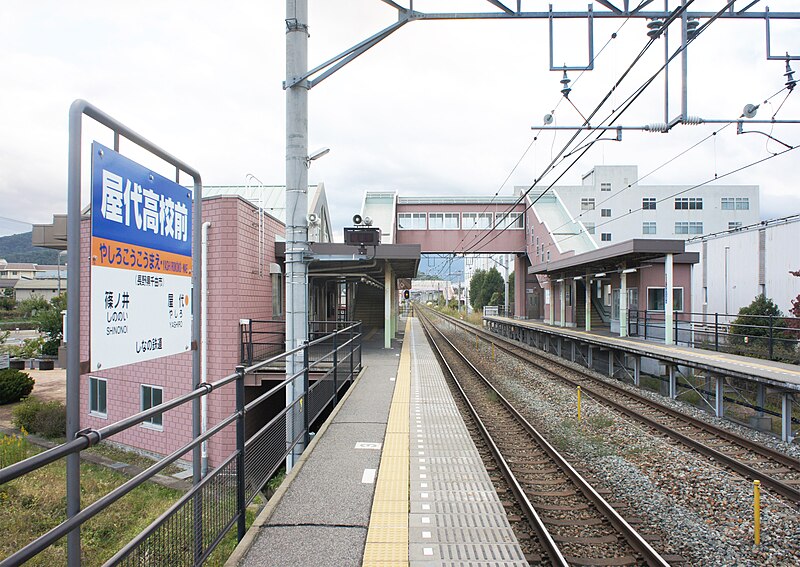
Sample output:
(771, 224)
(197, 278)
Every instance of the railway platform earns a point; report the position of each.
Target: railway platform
(392, 478)
(628, 357)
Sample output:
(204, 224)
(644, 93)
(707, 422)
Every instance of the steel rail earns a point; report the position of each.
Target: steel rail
(634, 539)
(545, 539)
(782, 488)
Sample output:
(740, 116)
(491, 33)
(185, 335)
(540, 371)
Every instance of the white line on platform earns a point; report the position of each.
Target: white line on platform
(366, 445)
(369, 476)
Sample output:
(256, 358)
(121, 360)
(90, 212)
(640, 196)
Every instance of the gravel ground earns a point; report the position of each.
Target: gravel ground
(703, 512)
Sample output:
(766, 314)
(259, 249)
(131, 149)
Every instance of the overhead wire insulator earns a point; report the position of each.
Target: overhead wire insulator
(789, 74)
(654, 28)
(691, 28)
(565, 81)
(657, 127)
(692, 120)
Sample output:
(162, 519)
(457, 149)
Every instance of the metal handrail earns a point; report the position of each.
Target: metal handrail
(89, 437)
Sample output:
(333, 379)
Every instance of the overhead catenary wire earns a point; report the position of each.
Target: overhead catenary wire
(664, 164)
(615, 113)
(613, 36)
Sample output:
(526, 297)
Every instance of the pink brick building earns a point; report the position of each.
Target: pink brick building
(240, 287)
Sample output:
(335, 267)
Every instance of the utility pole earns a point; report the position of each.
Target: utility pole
(296, 210)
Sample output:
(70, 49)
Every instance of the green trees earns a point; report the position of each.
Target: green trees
(762, 330)
(486, 288)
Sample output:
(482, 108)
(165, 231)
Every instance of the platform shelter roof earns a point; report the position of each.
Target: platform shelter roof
(336, 258)
(627, 254)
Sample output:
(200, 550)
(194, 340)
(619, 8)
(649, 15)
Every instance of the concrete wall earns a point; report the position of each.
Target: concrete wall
(734, 268)
(236, 291)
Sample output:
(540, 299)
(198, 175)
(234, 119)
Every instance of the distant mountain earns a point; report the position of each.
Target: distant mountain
(18, 248)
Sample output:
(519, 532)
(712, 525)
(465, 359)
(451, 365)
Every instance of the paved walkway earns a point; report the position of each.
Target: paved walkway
(322, 510)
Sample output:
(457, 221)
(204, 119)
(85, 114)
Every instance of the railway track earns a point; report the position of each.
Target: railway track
(574, 524)
(776, 471)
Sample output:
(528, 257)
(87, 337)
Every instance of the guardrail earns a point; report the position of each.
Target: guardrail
(260, 339)
(762, 336)
(192, 527)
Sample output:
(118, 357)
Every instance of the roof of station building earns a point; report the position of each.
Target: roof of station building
(629, 254)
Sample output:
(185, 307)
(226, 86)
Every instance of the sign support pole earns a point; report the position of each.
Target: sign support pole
(76, 112)
(74, 326)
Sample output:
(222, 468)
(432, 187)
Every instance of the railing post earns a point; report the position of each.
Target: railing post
(360, 346)
(352, 351)
(716, 332)
(645, 324)
(335, 366)
(250, 343)
(770, 337)
(240, 477)
(306, 431)
(675, 317)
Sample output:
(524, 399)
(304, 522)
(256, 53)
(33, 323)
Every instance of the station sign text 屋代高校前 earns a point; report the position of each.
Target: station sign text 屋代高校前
(141, 263)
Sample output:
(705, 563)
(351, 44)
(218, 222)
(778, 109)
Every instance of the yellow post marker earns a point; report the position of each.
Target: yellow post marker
(476, 342)
(493, 358)
(757, 511)
(579, 403)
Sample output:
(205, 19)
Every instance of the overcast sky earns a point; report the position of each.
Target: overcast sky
(438, 108)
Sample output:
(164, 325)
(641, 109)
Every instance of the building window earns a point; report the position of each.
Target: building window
(587, 204)
(655, 298)
(649, 203)
(589, 227)
(605, 237)
(411, 221)
(152, 396)
(97, 396)
(688, 228)
(277, 294)
(605, 186)
(548, 255)
(736, 203)
(605, 212)
(648, 228)
(444, 221)
(513, 220)
(694, 203)
(476, 221)
(734, 224)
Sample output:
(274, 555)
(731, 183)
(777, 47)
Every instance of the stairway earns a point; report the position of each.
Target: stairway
(580, 310)
(369, 306)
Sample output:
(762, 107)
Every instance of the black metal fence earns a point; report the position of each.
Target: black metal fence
(763, 336)
(190, 529)
(261, 339)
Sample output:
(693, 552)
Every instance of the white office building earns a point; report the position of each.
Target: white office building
(613, 206)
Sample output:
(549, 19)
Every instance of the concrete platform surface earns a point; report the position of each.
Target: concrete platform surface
(321, 512)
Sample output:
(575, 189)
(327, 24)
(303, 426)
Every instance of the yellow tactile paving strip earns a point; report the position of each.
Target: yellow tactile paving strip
(387, 537)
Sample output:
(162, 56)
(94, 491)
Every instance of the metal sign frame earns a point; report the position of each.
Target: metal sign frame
(77, 110)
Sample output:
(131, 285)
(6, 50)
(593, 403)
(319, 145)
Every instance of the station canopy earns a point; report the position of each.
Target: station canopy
(628, 254)
(403, 259)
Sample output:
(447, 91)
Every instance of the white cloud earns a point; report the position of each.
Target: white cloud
(438, 107)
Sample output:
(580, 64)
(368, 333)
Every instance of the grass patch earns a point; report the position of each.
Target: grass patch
(569, 436)
(600, 421)
(121, 455)
(35, 503)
